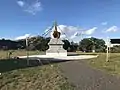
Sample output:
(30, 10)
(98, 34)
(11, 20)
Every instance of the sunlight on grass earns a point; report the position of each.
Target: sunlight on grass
(15, 53)
(34, 78)
(113, 66)
(15, 75)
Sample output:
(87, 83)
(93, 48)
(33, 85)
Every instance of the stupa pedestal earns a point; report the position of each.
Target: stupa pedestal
(56, 48)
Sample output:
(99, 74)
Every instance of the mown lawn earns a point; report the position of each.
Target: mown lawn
(16, 74)
(112, 67)
(15, 53)
(45, 77)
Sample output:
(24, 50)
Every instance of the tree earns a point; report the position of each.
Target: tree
(73, 46)
(66, 44)
(8, 44)
(115, 49)
(85, 44)
(38, 43)
(21, 44)
(89, 44)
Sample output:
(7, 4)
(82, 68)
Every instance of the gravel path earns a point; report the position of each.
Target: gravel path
(87, 78)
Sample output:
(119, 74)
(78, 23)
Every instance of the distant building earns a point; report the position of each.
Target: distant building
(114, 42)
(111, 45)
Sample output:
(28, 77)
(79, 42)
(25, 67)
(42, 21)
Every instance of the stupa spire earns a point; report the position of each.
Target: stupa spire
(55, 25)
(56, 34)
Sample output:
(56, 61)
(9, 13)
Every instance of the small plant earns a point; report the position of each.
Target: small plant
(10, 53)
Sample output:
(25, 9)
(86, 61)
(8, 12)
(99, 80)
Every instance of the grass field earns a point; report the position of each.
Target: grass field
(4, 54)
(17, 75)
(112, 67)
(34, 78)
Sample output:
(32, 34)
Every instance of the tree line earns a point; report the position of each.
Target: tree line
(41, 43)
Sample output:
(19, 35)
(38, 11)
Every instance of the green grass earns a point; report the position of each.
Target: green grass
(44, 77)
(112, 67)
(4, 54)
(17, 75)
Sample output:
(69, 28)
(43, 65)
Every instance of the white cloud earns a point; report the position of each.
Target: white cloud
(22, 37)
(88, 36)
(66, 31)
(90, 31)
(34, 8)
(63, 37)
(73, 32)
(30, 8)
(112, 29)
(85, 32)
(20, 3)
(74, 35)
(104, 23)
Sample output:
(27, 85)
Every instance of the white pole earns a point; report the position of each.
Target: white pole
(109, 48)
(27, 50)
(26, 41)
(107, 53)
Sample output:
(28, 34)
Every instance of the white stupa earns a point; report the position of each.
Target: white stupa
(56, 44)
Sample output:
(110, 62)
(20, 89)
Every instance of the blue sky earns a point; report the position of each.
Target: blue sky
(21, 17)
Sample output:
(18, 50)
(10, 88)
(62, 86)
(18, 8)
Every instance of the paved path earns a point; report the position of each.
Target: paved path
(87, 78)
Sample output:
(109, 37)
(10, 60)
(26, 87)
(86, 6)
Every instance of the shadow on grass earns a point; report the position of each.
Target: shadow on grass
(13, 64)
